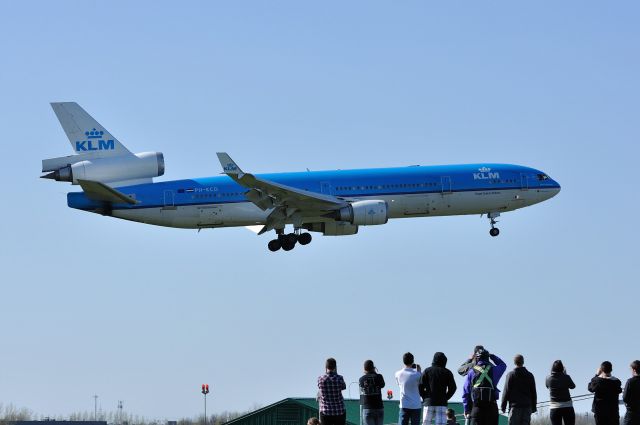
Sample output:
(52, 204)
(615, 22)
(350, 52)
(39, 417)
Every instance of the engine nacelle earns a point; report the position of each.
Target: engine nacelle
(332, 228)
(112, 169)
(365, 213)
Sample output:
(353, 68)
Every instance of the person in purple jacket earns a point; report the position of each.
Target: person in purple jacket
(480, 390)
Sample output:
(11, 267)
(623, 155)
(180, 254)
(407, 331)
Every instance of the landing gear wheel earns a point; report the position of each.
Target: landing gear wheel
(292, 238)
(274, 245)
(494, 231)
(304, 238)
(288, 246)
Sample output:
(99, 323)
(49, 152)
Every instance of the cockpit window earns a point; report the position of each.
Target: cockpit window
(543, 177)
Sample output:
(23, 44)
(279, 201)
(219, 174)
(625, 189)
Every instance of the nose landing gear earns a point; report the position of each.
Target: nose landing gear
(494, 231)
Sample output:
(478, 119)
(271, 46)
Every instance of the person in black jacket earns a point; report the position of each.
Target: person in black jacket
(561, 405)
(437, 386)
(519, 393)
(606, 389)
(631, 396)
(370, 396)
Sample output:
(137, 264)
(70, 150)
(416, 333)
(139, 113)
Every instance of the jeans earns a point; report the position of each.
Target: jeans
(484, 414)
(372, 416)
(566, 414)
(607, 418)
(520, 416)
(409, 415)
(437, 414)
(333, 419)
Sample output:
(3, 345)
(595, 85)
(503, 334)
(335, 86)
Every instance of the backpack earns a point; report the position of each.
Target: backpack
(483, 390)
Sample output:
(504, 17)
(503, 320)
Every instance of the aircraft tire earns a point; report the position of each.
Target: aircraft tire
(304, 238)
(288, 246)
(274, 245)
(494, 231)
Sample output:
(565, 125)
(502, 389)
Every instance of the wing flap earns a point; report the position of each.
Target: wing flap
(101, 192)
(282, 194)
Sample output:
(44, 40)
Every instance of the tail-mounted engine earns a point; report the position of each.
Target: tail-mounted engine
(112, 169)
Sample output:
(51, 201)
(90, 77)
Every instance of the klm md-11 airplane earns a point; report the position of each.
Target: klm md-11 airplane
(118, 183)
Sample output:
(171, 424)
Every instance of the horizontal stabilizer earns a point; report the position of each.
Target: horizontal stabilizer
(97, 191)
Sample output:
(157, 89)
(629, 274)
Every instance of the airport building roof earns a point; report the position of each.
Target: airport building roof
(296, 411)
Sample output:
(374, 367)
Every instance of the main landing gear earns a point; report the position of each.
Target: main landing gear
(492, 219)
(288, 241)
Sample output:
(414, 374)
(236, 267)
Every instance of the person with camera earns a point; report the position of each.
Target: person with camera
(480, 392)
(561, 406)
(631, 396)
(470, 362)
(519, 393)
(371, 384)
(606, 390)
(408, 379)
(437, 386)
(330, 400)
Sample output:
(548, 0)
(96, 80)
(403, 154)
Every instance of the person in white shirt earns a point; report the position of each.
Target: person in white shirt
(408, 380)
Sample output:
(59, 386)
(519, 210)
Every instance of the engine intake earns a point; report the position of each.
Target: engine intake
(365, 213)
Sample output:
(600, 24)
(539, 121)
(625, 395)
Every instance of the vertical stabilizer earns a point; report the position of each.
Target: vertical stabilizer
(86, 135)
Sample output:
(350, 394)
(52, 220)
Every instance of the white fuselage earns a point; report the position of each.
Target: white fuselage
(400, 206)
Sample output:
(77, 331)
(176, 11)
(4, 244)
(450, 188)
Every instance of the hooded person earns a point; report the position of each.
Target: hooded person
(437, 386)
(480, 391)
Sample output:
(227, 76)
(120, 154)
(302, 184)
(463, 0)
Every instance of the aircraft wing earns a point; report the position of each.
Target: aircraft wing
(101, 192)
(285, 201)
(267, 194)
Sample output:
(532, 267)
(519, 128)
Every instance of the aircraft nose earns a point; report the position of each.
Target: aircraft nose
(555, 189)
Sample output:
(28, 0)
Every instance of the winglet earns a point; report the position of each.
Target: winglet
(228, 165)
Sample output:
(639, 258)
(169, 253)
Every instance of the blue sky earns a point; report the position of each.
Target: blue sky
(92, 305)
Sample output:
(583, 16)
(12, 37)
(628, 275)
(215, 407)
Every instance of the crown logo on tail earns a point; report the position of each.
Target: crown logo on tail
(94, 134)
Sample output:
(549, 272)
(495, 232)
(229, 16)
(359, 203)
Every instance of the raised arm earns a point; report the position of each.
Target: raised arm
(464, 367)
(499, 369)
